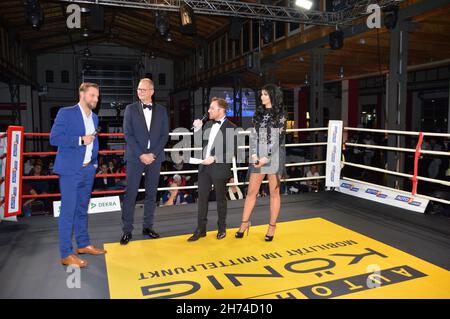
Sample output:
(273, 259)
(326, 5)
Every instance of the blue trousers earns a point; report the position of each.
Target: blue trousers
(75, 195)
(134, 175)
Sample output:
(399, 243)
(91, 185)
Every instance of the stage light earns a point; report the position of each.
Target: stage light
(161, 23)
(187, 18)
(305, 4)
(33, 13)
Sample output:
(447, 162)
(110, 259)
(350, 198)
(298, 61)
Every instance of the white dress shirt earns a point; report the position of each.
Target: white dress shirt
(148, 119)
(212, 135)
(90, 129)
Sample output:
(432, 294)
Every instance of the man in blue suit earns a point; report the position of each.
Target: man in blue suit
(74, 134)
(146, 130)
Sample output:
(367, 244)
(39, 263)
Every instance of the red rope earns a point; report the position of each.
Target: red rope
(43, 177)
(59, 195)
(416, 164)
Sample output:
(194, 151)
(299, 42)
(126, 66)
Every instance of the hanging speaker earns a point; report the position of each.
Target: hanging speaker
(97, 19)
(336, 39)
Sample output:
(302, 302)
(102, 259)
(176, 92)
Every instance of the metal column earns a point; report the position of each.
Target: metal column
(396, 97)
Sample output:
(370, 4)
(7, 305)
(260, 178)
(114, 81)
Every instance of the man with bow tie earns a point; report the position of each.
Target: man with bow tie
(146, 129)
(219, 147)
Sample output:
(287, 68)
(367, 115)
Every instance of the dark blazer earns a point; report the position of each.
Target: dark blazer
(224, 152)
(65, 134)
(137, 134)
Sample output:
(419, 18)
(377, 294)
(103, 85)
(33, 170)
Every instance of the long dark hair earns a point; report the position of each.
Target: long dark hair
(276, 98)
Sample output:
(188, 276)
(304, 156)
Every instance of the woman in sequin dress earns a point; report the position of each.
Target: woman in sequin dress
(267, 156)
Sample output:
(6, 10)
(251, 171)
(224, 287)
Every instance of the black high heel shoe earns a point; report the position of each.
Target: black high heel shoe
(241, 234)
(270, 238)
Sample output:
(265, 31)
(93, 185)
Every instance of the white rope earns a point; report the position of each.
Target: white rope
(398, 149)
(396, 132)
(376, 169)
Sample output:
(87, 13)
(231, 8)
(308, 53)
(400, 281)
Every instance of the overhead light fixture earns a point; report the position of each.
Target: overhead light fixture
(169, 37)
(85, 33)
(33, 13)
(187, 19)
(85, 10)
(306, 79)
(267, 31)
(161, 23)
(305, 4)
(152, 56)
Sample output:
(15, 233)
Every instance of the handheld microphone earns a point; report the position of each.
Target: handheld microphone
(97, 130)
(205, 116)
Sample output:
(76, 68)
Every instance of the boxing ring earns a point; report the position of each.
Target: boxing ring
(338, 243)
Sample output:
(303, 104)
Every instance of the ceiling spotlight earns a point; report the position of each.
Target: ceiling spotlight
(152, 55)
(306, 79)
(305, 4)
(85, 33)
(302, 59)
(362, 41)
(169, 37)
(33, 13)
(85, 10)
(187, 20)
(162, 23)
(341, 72)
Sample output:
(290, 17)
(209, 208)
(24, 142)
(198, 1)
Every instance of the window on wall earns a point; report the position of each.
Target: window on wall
(162, 79)
(223, 48)
(230, 49)
(293, 26)
(280, 29)
(255, 34)
(65, 76)
(246, 37)
(49, 76)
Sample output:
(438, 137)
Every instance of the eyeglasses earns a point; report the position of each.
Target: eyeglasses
(144, 90)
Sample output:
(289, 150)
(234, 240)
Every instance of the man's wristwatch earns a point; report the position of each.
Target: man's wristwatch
(82, 141)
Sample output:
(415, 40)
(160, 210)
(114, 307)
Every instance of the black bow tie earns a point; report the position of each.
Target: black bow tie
(217, 122)
(149, 106)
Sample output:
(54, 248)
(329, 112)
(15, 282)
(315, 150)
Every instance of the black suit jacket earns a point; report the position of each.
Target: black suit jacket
(224, 148)
(137, 134)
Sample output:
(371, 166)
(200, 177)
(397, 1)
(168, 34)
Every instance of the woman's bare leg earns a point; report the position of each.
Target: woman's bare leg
(250, 200)
(275, 201)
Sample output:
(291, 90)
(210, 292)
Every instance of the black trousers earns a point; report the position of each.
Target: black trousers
(205, 181)
(134, 175)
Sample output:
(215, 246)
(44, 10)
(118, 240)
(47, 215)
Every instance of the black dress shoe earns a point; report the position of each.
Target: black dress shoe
(150, 232)
(125, 239)
(197, 235)
(221, 234)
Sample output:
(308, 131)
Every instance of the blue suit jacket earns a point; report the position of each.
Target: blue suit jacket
(137, 134)
(65, 134)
